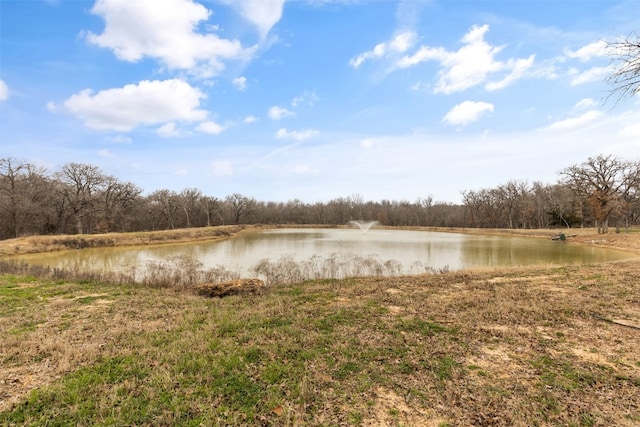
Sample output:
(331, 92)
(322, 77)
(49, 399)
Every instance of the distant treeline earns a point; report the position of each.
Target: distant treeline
(80, 198)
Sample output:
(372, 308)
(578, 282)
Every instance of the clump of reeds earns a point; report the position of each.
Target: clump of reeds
(70, 274)
(286, 270)
(185, 272)
(180, 272)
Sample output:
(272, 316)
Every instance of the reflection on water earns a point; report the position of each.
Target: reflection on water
(416, 251)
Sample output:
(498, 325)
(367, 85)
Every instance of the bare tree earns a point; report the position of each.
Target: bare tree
(11, 173)
(163, 205)
(21, 198)
(240, 205)
(83, 184)
(117, 199)
(190, 202)
(212, 207)
(604, 181)
(629, 205)
(625, 56)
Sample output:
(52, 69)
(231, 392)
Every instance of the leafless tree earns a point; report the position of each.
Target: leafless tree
(190, 202)
(11, 175)
(604, 181)
(162, 207)
(82, 185)
(117, 199)
(240, 205)
(22, 191)
(625, 57)
(212, 208)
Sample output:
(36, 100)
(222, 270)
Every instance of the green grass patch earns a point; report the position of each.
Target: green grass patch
(318, 353)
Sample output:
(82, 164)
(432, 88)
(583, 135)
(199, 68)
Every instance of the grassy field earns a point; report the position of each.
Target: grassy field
(525, 346)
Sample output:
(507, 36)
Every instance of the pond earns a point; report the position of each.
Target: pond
(402, 251)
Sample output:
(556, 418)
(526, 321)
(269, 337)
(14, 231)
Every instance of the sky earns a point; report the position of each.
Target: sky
(315, 99)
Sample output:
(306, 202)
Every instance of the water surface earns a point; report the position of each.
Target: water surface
(416, 251)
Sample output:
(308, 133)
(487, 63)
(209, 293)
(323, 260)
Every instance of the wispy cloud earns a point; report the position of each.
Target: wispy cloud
(585, 103)
(210, 127)
(399, 44)
(575, 122)
(467, 112)
(472, 64)
(307, 98)
(590, 75)
(169, 130)
(299, 136)
(279, 113)
(4, 91)
(592, 50)
(240, 83)
(263, 14)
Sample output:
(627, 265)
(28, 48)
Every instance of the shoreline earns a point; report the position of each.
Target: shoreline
(623, 241)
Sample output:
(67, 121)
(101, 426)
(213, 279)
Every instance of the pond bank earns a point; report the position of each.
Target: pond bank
(629, 242)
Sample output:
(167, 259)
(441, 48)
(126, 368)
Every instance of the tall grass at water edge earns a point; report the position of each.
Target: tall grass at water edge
(183, 271)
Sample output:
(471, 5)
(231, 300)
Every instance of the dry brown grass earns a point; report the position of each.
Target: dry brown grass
(36, 244)
(514, 347)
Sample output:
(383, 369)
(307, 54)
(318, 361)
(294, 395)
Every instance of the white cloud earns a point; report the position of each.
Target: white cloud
(222, 168)
(250, 119)
(210, 127)
(399, 44)
(52, 107)
(590, 75)
(105, 153)
(145, 103)
(420, 86)
(518, 67)
(575, 122)
(240, 83)
(593, 50)
(308, 97)
(296, 135)
(169, 130)
(467, 112)
(165, 31)
(585, 103)
(423, 54)
(4, 91)
(278, 113)
(263, 14)
(470, 65)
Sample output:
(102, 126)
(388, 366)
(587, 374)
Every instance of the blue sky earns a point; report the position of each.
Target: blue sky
(314, 99)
